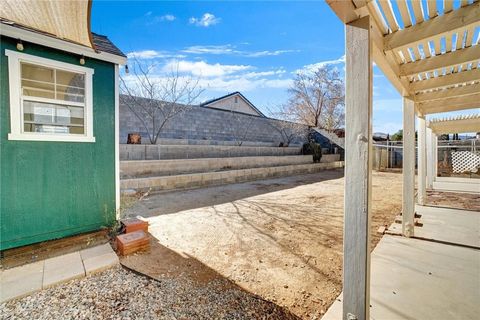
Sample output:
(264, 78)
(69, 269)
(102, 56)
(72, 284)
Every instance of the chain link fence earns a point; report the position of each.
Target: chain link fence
(455, 158)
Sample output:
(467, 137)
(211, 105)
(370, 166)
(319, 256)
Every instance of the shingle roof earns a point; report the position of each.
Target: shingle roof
(103, 44)
(206, 103)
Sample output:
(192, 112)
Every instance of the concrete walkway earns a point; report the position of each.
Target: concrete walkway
(23, 280)
(419, 279)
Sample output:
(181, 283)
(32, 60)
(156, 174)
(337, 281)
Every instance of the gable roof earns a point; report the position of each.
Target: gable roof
(206, 103)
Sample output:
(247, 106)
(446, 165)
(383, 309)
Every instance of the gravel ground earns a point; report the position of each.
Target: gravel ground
(121, 294)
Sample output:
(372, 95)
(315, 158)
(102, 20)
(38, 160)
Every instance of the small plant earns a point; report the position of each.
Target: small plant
(314, 149)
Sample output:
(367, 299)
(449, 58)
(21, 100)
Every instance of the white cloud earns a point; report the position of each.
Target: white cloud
(152, 54)
(268, 53)
(260, 74)
(316, 66)
(243, 84)
(222, 49)
(207, 20)
(203, 69)
(231, 49)
(168, 17)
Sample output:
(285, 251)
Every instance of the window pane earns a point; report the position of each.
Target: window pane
(37, 73)
(44, 82)
(52, 118)
(70, 86)
(38, 81)
(38, 89)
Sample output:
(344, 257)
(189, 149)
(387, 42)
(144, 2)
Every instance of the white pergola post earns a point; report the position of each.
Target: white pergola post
(435, 157)
(422, 161)
(430, 158)
(408, 205)
(358, 167)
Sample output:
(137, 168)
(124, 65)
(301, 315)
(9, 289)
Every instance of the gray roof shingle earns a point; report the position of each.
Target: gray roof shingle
(103, 44)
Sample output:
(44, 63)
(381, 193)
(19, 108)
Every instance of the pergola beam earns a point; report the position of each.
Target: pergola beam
(446, 93)
(451, 103)
(435, 28)
(446, 81)
(438, 107)
(446, 60)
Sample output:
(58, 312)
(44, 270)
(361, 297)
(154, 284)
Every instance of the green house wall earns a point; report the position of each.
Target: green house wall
(50, 190)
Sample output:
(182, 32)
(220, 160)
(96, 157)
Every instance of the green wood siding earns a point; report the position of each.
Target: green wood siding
(50, 190)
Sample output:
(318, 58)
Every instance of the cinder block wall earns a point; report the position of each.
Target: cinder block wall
(203, 123)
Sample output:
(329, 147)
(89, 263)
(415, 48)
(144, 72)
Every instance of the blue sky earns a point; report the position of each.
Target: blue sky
(251, 46)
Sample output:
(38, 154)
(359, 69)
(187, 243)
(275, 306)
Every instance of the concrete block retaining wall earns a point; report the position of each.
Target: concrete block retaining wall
(330, 158)
(174, 167)
(165, 152)
(203, 123)
(219, 143)
(194, 180)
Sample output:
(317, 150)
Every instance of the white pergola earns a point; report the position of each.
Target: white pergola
(437, 127)
(431, 56)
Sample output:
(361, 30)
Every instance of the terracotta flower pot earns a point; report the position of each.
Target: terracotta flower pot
(134, 138)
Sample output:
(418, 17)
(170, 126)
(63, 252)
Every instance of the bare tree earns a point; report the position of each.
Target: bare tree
(239, 125)
(287, 126)
(317, 98)
(156, 100)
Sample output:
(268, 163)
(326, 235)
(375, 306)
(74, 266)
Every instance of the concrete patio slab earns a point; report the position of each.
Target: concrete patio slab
(463, 226)
(98, 258)
(418, 279)
(62, 269)
(21, 281)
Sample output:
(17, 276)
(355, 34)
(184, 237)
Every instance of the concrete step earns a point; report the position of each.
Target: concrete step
(145, 168)
(195, 180)
(165, 152)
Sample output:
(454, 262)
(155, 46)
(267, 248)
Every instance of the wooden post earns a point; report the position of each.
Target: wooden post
(358, 167)
(435, 157)
(408, 207)
(430, 159)
(422, 161)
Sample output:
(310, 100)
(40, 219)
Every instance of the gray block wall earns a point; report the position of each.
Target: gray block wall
(203, 123)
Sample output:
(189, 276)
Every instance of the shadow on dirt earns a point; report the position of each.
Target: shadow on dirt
(200, 291)
(175, 201)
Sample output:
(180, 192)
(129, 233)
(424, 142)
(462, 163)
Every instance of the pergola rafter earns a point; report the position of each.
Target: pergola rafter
(435, 28)
(449, 59)
(463, 77)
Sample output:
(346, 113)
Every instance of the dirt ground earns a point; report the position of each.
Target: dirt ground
(279, 239)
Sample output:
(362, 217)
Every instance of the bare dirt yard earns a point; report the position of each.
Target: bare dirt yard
(278, 239)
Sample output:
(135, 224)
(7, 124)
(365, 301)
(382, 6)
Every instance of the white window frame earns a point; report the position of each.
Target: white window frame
(16, 106)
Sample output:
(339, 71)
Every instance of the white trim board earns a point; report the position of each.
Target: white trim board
(16, 103)
(47, 41)
(117, 146)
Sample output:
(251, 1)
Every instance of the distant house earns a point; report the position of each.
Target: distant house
(58, 123)
(233, 102)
